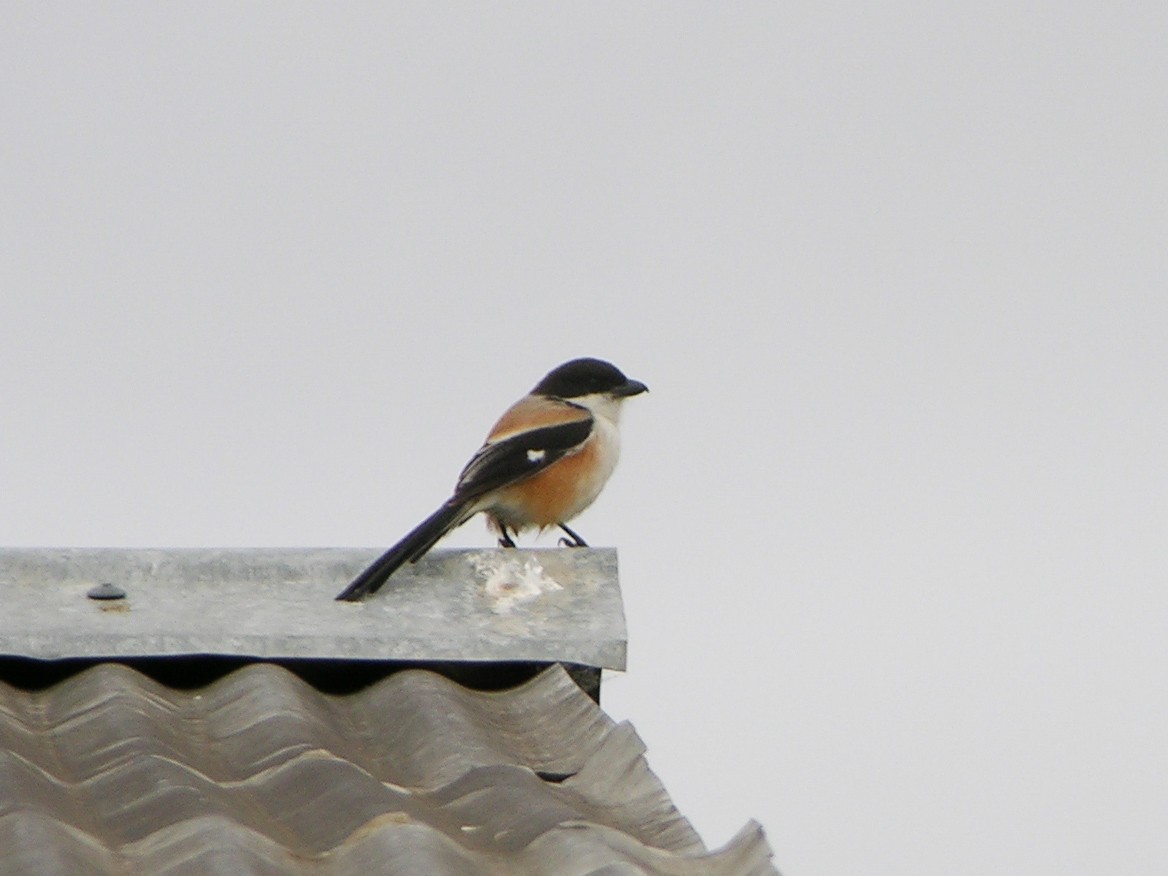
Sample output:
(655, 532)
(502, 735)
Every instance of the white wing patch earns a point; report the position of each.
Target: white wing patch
(536, 455)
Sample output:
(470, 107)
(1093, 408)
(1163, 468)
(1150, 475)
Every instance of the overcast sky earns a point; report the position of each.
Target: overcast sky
(893, 521)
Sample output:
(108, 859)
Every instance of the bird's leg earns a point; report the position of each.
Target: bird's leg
(576, 541)
(505, 540)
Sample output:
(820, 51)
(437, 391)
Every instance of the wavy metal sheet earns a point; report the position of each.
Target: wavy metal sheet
(112, 774)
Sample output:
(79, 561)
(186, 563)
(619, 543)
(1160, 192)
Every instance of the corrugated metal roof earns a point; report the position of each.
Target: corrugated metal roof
(111, 773)
(540, 606)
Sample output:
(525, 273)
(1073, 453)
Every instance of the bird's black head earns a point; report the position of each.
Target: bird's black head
(582, 377)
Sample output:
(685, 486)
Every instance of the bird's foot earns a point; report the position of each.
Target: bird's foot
(573, 540)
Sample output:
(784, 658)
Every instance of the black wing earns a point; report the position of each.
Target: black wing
(518, 457)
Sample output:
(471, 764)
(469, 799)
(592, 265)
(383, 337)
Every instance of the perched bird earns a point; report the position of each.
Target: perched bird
(544, 462)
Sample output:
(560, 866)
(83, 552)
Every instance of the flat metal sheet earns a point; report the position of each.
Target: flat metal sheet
(552, 605)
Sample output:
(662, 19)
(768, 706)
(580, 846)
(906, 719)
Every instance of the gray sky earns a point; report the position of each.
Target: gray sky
(892, 522)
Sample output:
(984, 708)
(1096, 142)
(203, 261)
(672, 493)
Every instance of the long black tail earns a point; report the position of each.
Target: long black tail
(419, 540)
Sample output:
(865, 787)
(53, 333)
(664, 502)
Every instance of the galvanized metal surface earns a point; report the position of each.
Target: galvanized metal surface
(463, 605)
(111, 774)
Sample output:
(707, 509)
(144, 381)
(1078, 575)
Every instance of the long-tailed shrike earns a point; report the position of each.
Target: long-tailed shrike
(544, 461)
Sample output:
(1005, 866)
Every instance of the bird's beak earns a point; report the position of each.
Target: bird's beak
(630, 387)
